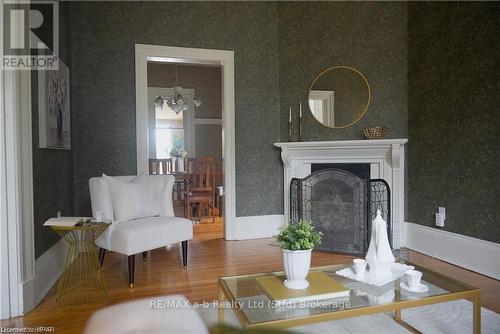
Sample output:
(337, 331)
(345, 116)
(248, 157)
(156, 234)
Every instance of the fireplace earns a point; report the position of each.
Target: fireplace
(341, 201)
(384, 156)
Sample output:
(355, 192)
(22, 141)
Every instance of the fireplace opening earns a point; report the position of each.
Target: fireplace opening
(341, 201)
(360, 170)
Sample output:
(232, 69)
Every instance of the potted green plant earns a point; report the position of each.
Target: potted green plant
(297, 241)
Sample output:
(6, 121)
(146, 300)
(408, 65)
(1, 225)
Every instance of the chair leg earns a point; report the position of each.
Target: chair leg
(185, 253)
(198, 211)
(131, 264)
(102, 252)
(213, 212)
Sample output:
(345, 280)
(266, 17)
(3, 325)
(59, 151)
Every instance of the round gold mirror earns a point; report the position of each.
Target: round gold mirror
(339, 96)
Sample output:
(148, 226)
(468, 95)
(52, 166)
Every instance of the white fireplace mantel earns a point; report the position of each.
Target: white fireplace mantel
(385, 156)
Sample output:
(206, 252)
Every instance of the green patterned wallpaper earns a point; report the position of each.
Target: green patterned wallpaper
(369, 36)
(103, 77)
(279, 49)
(453, 104)
(52, 169)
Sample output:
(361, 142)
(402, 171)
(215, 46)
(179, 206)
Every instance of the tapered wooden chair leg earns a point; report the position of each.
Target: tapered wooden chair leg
(131, 264)
(184, 253)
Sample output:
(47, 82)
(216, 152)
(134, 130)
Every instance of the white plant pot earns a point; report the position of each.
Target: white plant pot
(178, 164)
(296, 265)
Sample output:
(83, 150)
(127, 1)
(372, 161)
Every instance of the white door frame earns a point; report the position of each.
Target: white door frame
(17, 257)
(225, 59)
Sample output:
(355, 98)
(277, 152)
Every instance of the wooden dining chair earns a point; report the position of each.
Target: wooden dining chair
(200, 186)
(160, 166)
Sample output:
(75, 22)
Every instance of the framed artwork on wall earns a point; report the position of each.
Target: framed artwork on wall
(54, 114)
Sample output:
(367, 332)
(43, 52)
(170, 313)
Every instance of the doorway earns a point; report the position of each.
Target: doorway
(201, 128)
(185, 129)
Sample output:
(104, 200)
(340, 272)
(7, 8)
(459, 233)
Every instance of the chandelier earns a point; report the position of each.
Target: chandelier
(176, 102)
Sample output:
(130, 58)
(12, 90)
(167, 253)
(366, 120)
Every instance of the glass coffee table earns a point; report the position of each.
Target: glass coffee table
(253, 308)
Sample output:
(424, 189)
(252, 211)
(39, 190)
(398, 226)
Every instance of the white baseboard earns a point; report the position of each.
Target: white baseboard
(474, 254)
(48, 268)
(255, 227)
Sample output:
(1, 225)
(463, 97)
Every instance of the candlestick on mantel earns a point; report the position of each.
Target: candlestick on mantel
(300, 121)
(290, 125)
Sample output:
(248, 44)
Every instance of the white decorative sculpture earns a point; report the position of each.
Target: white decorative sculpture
(379, 255)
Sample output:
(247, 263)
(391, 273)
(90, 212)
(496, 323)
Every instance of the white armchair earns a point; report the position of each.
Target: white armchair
(142, 215)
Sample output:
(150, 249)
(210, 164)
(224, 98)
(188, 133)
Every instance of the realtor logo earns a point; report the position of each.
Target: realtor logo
(30, 35)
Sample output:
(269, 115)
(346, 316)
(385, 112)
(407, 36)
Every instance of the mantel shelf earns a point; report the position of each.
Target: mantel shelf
(342, 143)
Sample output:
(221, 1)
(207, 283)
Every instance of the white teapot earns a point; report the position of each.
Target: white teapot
(379, 255)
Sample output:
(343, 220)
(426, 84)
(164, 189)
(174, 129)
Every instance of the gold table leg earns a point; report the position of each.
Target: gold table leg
(398, 313)
(476, 317)
(81, 281)
(222, 298)
(408, 327)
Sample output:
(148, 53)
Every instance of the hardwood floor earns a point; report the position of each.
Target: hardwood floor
(206, 230)
(490, 288)
(162, 274)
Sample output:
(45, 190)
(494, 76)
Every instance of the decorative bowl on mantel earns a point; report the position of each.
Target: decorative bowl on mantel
(375, 133)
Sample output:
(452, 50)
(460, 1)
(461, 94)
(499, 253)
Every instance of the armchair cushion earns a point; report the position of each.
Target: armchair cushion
(160, 187)
(144, 234)
(132, 200)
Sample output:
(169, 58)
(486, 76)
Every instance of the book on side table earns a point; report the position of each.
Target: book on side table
(66, 221)
(321, 286)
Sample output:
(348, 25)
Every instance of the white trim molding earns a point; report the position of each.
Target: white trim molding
(48, 267)
(385, 156)
(222, 58)
(256, 227)
(4, 202)
(208, 121)
(16, 195)
(471, 253)
(26, 170)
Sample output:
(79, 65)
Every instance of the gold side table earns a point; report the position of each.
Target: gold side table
(81, 281)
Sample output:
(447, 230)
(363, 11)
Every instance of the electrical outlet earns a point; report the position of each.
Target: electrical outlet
(439, 220)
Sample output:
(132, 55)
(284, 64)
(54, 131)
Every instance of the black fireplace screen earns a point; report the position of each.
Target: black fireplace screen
(337, 202)
(380, 199)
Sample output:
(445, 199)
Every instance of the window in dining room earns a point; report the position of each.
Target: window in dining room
(166, 140)
(169, 132)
